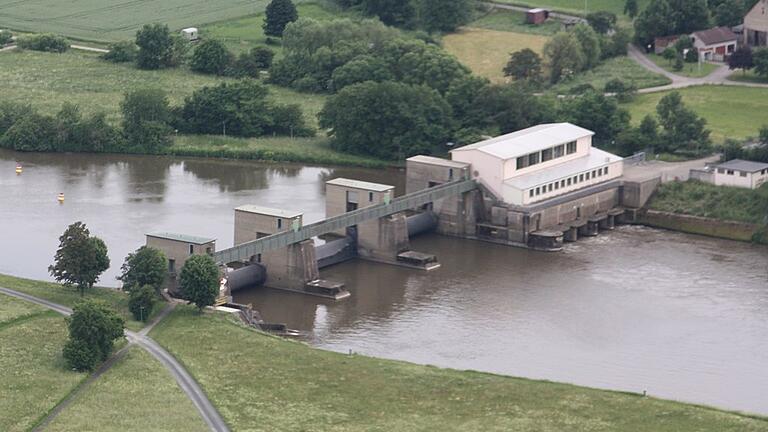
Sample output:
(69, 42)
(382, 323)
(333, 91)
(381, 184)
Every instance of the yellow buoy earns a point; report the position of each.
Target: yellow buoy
(19, 169)
(61, 198)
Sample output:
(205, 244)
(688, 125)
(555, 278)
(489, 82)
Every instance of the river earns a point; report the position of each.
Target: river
(679, 316)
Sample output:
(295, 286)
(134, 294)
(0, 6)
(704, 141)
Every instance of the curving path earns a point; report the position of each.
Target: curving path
(183, 378)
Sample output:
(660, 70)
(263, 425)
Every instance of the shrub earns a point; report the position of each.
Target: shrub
(277, 15)
(141, 302)
(249, 64)
(199, 280)
(80, 356)
(155, 47)
(93, 328)
(146, 266)
(121, 52)
(146, 114)
(32, 132)
(6, 37)
(624, 91)
(211, 57)
(44, 42)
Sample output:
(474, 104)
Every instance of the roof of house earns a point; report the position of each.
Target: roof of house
(597, 158)
(743, 165)
(182, 238)
(437, 161)
(358, 184)
(665, 40)
(752, 16)
(529, 140)
(715, 35)
(287, 214)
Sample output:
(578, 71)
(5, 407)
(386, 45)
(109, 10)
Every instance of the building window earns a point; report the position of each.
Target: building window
(522, 162)
(533, 158)
(730, 172)
(569, 181)
(549, 188)
(560, 150)
(530, 193)
(370, 196)
(546, 155)
(605, 170)
(721, 170)
(570, 147)
(171, 266)
(557, 185)
(562, 183)
(450, 174)
(191, 249)
(743, 173)
(538, 191)
(581, 178)
(594, 174)
(279, 223)
(208, 251)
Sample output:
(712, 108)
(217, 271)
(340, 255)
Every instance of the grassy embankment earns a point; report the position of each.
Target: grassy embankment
(718, 202)
(623, 68)
(260, 382)
(731, 112)
(136, 394)
(748, 76)
(691, 70)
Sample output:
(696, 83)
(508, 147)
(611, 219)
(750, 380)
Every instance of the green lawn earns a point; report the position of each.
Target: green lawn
(307, 150)
(264, 383)
(731, 112)
(749, 76)
(513, 21)
(109, 20)
(136, 394)
(33, 375)
(48, 80)
(707, 200)
(13, 310)
(618, 67)
(69, 296)
(691, 70)
(577, 6)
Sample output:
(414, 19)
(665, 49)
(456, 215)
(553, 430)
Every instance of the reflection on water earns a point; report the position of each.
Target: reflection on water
(680, 316)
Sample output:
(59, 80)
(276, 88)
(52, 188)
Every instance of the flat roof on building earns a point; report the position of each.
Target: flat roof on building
(358, 184)
(437, 161)
(743, 165)
(182, 238)
(529, 140)
(287, 214)
(536, 10)
(596, 158)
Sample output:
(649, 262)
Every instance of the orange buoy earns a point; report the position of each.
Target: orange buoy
(19, 169)
(61, 198)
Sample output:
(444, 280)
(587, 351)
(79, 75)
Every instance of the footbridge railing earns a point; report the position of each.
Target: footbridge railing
(413, 200)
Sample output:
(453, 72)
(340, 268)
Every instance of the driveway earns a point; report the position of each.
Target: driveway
(668, 171)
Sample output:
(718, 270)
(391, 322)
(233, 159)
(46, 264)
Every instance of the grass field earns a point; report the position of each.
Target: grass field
(707, 200)
(273, 384)
(731, 112)
(691, 70)
(577, 6)
(109, 20)
(513, 21)
(486, 52)
(136, 394)
(749, 76)
(618, 67)
(33, 375)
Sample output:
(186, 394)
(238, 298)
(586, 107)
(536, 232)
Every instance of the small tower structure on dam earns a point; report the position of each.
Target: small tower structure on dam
(177, 249)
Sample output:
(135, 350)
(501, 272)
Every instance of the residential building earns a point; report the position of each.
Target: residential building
(756, 25)
(741, 173)
(539, 163)
(715, 44)
(661, 43)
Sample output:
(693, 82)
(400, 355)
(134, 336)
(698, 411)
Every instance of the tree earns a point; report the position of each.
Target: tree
(760, 60)
(121, 52)
(688, 16)
(670, 54)
(597, 113)
(93, 328)
(44, 42)
(141, 301)
(146, 114)
(199, 281)
(80, 259)
(391, 12)
(31, 132)
(388, 120)
(630, 8)
(155, 47)
(590, 44)
(6, 37)
(524, 65)
(507, 108)
(279, 13)
(741, 58)
(563, 56)
(146, 266)
(682, 128)
(654, 20)
(361, 69)
(729, 13)
(211, 57)
(624, 91)
(643, 137)
(444, 15)
(678, 64)
(602, 21)
(692, 55)
(764, 135)
(616, 44)
(252, 62)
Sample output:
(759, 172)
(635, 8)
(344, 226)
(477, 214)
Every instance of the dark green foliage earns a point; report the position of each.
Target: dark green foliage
(32, 132)
(602, 21)
(655, 20)
(211, 57)
(156, 47)
(10, 113)
(146, 114)
(524, 65)
(670, 54)
(141, 302)
(741, 59)
(707, 200)
(564, 56)
(581, 89)
(682, 129)
(501, 109)
(630, 8)
(121, 52)
(729, 13)
(462, 97)
(252, 62)
(6, 37)
(44, 42)
(760, 60)
(689, 16)
(597, 113)
(444, 15)
(80, 259)
(642, 138)
(615, 45)
(240, 109)
(678, 64)
(93, 328)
(277, 15)
(692, 56)
(145, 267)
(590, 45)
(397, 13)
(388, 120)
(199, 280)
(624, 91)
(361, 69)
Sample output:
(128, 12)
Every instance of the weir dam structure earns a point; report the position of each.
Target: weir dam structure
(273, 247)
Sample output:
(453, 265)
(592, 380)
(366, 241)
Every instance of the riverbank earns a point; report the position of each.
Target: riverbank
(709, 227)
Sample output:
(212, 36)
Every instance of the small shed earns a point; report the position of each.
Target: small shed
(536, 16)
(661, 43)
(190, 33)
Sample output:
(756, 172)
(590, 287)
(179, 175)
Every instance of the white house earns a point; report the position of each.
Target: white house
(741, 173)
(539, 163)
(716, 43)
(756, 25)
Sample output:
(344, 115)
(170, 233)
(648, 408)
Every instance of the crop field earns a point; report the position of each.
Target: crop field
(109, 20)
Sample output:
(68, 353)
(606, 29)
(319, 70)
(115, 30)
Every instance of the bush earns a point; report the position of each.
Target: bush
(251, 63)
(33, 132)
(199, 280)
(121, 52)
(80, 356)
(156, 47)
(211, 57)
(44, 42)
(141, 302)
(278, 14)
(146, 114)
(146, 266)
(93, 328)
(624, 91)
(6, 37)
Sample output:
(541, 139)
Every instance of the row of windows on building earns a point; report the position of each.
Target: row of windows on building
(741, 173)
(546, 155)
(563, 183)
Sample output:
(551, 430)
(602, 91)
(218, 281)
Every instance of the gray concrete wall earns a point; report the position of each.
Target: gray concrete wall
(383, 239)
(249, 225)
(178, 251)
(635, 194)
(291, 267)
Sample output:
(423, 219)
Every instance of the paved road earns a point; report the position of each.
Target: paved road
(182, 377)
(669, 171)
(87, 48)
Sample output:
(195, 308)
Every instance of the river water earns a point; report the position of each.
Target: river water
(680, 316)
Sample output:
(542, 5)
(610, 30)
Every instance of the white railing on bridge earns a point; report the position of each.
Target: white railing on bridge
(413, 200)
